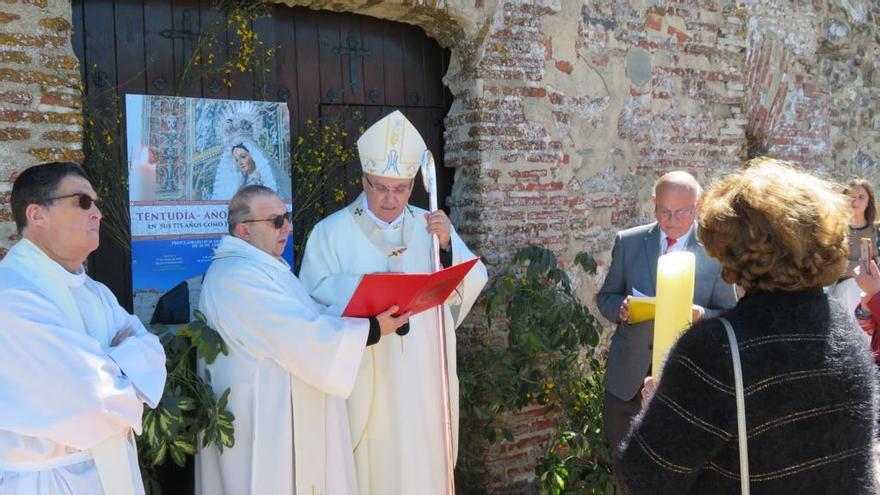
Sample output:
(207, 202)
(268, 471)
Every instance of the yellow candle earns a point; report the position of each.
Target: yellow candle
(675, 299)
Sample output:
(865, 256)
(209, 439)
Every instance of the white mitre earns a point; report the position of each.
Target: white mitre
(392, 147)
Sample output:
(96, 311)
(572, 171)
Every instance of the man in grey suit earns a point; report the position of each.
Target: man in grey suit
(634, 268)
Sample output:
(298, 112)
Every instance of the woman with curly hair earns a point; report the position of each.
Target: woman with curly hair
(861, 225)
(810, 387)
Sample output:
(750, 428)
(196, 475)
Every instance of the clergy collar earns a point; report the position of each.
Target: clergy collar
(382, 224)
(71, 279)
(231, 246)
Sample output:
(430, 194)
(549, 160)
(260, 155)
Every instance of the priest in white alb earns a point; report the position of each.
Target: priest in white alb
(75, 367)
(395, 409)
(289, 367)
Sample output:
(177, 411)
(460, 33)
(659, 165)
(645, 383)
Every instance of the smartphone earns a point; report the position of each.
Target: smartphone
(865, 249)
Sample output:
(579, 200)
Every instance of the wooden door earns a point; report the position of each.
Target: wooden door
(324, 64)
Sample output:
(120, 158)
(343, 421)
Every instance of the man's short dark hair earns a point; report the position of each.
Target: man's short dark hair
(240, 205)
(36, 184)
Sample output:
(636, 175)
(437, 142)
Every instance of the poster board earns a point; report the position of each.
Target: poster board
(186, 159)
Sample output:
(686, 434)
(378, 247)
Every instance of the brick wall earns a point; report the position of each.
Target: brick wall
(40, 116)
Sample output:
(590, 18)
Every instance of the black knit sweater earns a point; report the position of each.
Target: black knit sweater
(811, 395)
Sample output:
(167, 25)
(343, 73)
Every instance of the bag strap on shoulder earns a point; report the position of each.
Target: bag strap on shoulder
(742, 433)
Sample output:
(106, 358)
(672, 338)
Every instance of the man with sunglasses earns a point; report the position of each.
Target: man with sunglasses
(633, 270)
(289, 367)
(75, 367)
(396, 406)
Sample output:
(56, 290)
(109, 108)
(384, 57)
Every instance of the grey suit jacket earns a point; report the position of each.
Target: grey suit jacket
(634, 265)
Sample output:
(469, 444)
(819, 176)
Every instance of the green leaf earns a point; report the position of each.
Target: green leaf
(186, 404)
(177, 455)
(508, 434)
(491, 435)
(185, 446)
(159, 457)
(587, 262)
(210, 345)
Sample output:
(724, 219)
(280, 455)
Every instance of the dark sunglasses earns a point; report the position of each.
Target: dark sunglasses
(85, 201)
(277, 220)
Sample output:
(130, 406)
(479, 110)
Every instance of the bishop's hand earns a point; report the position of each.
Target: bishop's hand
(439, 224)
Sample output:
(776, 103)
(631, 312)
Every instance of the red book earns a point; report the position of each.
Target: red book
(414, 292)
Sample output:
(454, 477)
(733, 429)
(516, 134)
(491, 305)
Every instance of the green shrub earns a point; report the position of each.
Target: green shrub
(548, 359)
(189, 416)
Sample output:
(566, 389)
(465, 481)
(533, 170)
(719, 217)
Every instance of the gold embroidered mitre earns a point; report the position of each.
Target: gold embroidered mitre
(392, 147)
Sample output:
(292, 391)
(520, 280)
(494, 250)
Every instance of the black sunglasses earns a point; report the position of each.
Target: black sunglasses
(85, 201)
(277, 220)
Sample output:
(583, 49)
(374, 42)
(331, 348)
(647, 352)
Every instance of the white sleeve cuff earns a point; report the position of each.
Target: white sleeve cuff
(131, 360)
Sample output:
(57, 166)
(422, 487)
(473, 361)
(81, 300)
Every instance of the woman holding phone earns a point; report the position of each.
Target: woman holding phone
(862, 226)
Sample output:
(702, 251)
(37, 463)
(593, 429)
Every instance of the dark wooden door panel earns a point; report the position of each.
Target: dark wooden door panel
(374, 64)
(212, 57)
(305, 23)
(350, 67)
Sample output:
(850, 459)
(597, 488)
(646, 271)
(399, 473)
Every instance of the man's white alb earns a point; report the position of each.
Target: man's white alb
(63, 389)
(289, 368)
(395, 413)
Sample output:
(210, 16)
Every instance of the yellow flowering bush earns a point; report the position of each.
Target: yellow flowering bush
(318, 159)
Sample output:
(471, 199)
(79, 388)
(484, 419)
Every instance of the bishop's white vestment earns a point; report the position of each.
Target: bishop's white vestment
(395, 407)
(289, 369)
(63, 389)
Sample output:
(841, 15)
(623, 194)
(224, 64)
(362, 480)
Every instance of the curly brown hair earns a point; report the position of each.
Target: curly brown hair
(774, 227)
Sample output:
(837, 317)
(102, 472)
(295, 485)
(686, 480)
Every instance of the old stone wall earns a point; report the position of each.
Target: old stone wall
(565, 112)
(40, 117)
(814, 84)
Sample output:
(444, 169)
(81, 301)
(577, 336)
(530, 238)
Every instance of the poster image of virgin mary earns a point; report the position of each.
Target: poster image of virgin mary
(243, 161)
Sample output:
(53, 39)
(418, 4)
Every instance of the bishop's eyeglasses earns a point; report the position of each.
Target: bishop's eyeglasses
(383, 189)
